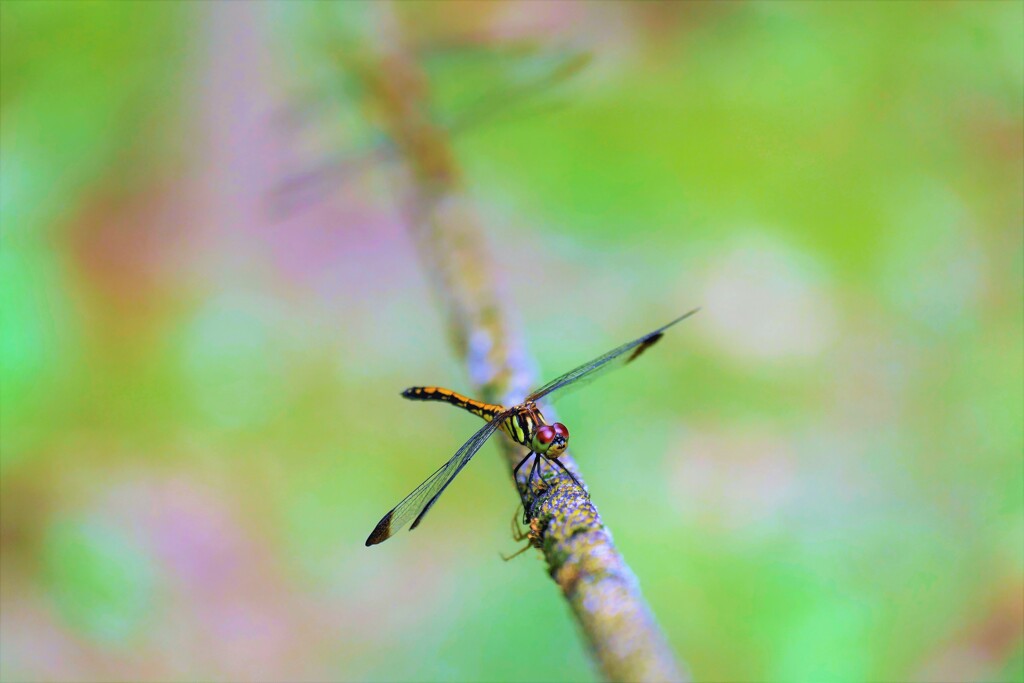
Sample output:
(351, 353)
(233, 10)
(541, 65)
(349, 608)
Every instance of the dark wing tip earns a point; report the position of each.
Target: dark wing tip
(381, 532)
(644, 345)
(653, 338)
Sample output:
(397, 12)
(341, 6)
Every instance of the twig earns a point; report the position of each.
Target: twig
(600, 588)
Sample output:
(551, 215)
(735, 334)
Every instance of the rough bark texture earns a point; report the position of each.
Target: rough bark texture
(621, 632)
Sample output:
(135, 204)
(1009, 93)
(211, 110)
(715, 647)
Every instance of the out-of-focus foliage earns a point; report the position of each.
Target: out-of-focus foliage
(818, 477)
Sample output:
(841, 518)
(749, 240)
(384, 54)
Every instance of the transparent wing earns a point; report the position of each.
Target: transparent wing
(615, 358)
(520, 97)
(417, 503)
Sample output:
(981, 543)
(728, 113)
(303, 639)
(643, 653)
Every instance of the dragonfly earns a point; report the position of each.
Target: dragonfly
(523, 422)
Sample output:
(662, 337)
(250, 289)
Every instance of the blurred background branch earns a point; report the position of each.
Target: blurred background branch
(623, 637)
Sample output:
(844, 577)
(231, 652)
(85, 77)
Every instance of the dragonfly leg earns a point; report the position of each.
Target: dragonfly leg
(516, 481)
(574, 479)
(516, 470)
(518, 535)
(529, 489)
(517, 553)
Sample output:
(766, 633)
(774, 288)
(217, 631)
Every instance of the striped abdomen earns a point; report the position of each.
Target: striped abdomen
(478, 408)
(520, 426)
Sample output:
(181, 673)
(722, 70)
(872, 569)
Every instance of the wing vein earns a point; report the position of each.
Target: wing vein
(418, 503)
(595, 368)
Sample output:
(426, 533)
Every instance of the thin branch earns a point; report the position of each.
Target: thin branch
(601, 590)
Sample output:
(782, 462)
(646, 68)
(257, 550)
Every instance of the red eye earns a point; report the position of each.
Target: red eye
(546, 434)
(560, 429)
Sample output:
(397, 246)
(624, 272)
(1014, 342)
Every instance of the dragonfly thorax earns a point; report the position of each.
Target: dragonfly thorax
(551, 440)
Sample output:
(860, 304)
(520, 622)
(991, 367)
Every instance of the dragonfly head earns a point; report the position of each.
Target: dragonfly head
(551, 440)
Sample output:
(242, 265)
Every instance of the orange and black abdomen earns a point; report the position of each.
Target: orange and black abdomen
(484, 410)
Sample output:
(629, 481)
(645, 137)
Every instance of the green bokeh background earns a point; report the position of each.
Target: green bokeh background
(817, 478)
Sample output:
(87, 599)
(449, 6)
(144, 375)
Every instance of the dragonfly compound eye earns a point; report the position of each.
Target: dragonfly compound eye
(545, 435)
(560, 430)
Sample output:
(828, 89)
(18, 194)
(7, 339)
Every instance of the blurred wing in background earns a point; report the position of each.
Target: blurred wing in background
(535, 92)
(419, 502)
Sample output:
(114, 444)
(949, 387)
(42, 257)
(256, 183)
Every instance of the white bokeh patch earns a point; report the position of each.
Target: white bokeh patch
(765, 301)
